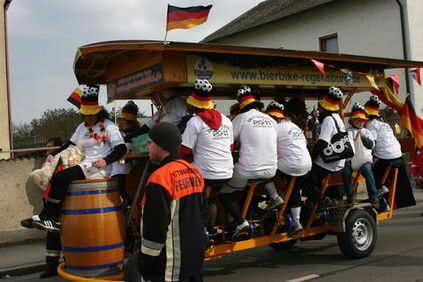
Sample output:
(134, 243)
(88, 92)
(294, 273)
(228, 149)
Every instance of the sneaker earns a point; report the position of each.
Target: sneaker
(49, 273)
(49, 224)
(27, 223)
(331, 202)
(382, 191)
(296, 229)
(375, 203)
(273, 204)
(241, 231)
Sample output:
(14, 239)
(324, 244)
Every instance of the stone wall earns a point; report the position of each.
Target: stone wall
(19, 199)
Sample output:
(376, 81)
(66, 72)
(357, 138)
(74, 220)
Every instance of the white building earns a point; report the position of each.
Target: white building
(379, 28)
(5, 138)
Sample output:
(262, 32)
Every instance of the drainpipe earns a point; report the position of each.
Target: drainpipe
(5, 7)
(404, 44)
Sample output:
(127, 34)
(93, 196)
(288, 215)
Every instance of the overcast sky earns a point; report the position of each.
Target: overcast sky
(45, 34)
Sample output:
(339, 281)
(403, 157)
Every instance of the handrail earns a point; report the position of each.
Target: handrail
(29, 150)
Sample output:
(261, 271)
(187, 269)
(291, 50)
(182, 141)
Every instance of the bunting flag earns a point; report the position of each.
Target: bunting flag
(371, 78)
(185, 18)
(319, 65)
(75, 97)
(395, 81)
(417, 76)
(409, 119)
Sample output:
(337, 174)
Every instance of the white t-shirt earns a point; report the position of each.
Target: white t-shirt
(94, 150)
(387, 146)
(327, 131)
(211, 148)
(293, 156)
(256, 133)
(122, 168)
(352, 132)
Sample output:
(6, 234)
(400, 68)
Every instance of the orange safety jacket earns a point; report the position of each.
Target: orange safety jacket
(174, 216)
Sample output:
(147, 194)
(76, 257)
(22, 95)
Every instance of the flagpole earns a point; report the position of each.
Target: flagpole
(164, 40)
(167, 21)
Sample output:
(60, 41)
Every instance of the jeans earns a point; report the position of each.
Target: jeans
(366, 171)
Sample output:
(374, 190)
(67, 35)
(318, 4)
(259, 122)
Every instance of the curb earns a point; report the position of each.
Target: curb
(22, 270)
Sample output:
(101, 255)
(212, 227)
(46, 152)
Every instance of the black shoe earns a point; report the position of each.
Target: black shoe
(49, 273)
(27, 223)
(47, 223)
(331, 202)
(375, 203)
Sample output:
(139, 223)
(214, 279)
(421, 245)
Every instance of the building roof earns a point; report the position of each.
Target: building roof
(265, 12)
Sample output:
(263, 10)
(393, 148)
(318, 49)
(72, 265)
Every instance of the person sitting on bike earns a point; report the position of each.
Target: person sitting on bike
(357, 120)
(387, 152)
(293, 159)
(256, 134)
(328, 116)
(208, 138)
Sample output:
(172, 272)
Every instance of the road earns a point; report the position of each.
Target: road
(398, 257)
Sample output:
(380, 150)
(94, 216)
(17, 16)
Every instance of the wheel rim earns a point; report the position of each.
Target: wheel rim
(362, 234)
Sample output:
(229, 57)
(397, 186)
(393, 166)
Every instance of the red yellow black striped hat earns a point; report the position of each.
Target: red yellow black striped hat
(372, 106)
(245, 97)
(201, 96)
(89, 100)
(129, 111)
(332, 100)
(358, 112)
(275, 109)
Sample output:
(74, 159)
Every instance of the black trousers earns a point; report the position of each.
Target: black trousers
(61, 180)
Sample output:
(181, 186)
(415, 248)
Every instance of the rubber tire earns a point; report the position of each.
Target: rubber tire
(130, 272)
(286, 245)
(346, 241)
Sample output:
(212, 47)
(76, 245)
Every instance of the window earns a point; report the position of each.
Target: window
(329, 43)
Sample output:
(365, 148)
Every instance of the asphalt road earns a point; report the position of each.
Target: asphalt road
(398, 257)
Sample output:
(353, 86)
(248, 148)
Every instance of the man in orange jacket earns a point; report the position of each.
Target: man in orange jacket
(174, 213)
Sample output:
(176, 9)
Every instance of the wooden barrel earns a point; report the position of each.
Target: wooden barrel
(93, 227)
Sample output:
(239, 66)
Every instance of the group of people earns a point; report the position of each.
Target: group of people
(175, 210)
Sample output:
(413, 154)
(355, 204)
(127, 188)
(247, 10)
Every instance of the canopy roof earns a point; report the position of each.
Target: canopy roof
(138, 68)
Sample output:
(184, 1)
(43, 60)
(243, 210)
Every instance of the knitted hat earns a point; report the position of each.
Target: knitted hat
(332, 100)
(275, 109)
(129, 111)
(372, 106)
(201, 96)
(358, 112)
(167, 136)
(245, 97)
(89, 100)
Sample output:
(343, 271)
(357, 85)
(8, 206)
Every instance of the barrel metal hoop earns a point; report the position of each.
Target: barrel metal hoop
(93, 192)
(87, 267)
(103, 184)
(90, 211)
(94, 249)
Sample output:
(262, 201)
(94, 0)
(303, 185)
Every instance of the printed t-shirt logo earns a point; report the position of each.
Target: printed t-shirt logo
(258, 121)
(222, 133)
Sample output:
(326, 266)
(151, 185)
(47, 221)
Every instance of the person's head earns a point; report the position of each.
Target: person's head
(53, 142)
(200, 98)
(358, 116)
(233, 111)
(246, 100)
(275, 110)
(372, 107)
(128, 117)
(89, 104)
(165, 140)
(331, 102)
(91, 120)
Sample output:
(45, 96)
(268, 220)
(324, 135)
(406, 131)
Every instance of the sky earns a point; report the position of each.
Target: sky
(44, 35)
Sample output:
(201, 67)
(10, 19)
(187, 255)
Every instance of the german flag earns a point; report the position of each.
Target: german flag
(75, 97)
(409, 118)
(186, 17)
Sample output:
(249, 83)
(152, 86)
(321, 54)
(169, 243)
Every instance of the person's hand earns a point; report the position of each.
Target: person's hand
(99, 163)
(49, 158)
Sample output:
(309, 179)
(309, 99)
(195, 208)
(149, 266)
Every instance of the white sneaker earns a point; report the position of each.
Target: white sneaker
(382, 191)
(241, 231)
(296, 229)
(274, 203)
